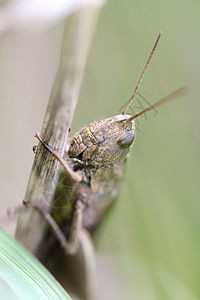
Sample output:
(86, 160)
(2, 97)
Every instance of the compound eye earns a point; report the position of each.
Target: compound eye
(126, 140)
(129, 127)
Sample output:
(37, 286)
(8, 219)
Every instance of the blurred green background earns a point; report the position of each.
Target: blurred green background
(150, 245)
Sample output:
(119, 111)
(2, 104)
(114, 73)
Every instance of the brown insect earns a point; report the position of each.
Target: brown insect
(90, 182)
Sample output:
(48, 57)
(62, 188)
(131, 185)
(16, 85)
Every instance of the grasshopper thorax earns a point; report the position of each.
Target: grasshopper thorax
(104, 142)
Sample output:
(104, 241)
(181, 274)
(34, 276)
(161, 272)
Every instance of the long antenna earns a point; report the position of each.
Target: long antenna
(143, 72)
(180, 92)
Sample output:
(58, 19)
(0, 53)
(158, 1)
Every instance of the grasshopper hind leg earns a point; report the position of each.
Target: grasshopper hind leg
(71, 244)
(78, 250)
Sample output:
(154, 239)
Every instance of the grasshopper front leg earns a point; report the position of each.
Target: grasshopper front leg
(74, 175)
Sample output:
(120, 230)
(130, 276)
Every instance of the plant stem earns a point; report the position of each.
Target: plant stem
(78, 31)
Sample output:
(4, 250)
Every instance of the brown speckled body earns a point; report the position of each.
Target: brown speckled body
(100, 151)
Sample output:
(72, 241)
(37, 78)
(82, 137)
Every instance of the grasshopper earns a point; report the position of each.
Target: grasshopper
(90, 182)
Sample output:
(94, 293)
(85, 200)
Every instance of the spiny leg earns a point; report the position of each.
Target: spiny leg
(74, 175)
(78, 237)
(70, 246)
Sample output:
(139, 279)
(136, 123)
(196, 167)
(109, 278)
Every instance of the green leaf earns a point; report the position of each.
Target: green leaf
(26, 277)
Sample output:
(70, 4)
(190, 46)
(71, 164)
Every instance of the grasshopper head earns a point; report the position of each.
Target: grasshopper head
(104, 142)
(108, 141)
